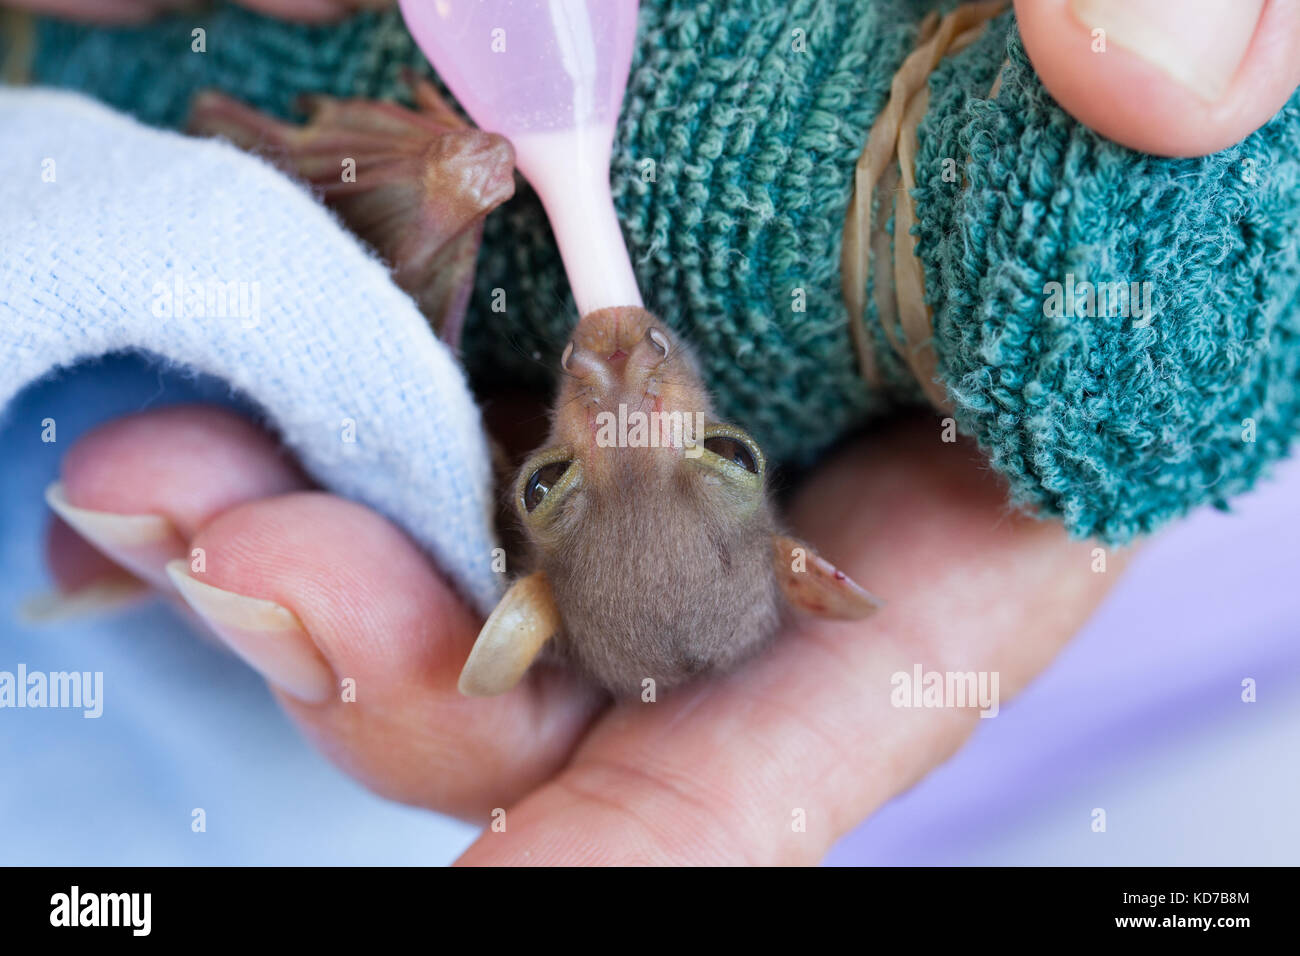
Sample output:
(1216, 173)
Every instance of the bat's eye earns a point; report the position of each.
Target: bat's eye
(541, 481)
(734, 450)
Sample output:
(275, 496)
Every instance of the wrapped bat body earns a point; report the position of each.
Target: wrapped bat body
(656, 550)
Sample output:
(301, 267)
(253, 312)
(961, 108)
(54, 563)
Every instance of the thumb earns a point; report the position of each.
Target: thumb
(1175, 79)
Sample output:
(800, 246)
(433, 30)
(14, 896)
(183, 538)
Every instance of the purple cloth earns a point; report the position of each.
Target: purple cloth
(1142, 715)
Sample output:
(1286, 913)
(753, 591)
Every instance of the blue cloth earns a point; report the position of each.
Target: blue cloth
(101, 217)
(185, 725)
(117, 236)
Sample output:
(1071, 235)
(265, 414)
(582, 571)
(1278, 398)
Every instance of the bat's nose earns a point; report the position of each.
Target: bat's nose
(609, 372)
(587, 366)
(613, 348)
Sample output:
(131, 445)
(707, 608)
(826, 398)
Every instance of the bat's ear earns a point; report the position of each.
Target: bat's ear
(513, 635)
(811, 583)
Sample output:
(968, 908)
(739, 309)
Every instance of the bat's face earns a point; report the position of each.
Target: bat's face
(655, 543)
(649, 517)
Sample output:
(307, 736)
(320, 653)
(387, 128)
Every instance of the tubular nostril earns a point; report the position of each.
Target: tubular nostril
(658, 340)
(588, 367)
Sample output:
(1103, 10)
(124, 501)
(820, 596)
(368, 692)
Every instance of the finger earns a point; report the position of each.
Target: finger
(774, 763)
(87, 584)
(73, 562)
(1175, 79)
(314, 11)
(136, 11)
(138, 487)
(363, 640)
(95, 11)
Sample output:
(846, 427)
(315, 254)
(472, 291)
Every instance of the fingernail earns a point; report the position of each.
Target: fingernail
(266, 635)
(143, 544)
(99, 597)
(1200, 43)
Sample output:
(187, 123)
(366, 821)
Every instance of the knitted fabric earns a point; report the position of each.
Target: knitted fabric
(753, 113)
(103, 216)
(1114, 423)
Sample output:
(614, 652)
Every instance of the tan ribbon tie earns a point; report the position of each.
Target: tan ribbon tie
(887, 163)
(20, 26)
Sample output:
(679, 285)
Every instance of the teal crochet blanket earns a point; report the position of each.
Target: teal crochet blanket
(732, 171)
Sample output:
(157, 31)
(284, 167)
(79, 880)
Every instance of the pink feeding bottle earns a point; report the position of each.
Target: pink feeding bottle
(549, 75)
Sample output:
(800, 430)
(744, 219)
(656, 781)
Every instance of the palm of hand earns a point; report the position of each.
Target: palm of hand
(768, 764)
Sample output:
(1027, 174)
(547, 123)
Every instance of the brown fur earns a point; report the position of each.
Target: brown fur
(660, 583)
(660, 565)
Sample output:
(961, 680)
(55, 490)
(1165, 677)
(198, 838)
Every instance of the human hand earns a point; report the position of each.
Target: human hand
(1175, 79)
(138, 11)
(713, 773)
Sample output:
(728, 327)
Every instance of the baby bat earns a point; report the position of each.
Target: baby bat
(655, 550)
